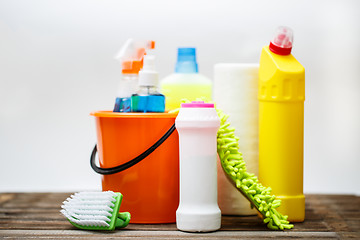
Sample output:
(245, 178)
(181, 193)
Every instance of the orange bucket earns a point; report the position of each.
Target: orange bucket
(151, 186)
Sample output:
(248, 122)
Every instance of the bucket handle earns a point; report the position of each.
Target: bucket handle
(124, 166)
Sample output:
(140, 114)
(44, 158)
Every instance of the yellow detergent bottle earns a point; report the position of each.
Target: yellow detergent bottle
(186, 82)
(281, 124)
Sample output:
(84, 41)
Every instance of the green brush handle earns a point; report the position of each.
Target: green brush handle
(122, 220)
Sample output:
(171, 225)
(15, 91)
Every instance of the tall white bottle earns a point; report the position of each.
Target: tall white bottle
(197, 125)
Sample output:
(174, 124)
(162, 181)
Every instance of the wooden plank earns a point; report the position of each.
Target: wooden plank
(71, 234)
(56, 221)
(37, 215)
(5, 197)
(35, 200)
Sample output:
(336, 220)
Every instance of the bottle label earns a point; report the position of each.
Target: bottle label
(150, 103)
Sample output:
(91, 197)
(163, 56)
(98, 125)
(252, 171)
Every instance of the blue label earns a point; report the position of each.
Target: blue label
(151, 103)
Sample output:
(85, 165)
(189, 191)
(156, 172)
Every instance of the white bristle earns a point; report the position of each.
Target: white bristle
(89, 208)
(85, 222)
(94, 198)
(89, 216)
(89, 212)
(92, 194)
(77, 202)
(87, 202)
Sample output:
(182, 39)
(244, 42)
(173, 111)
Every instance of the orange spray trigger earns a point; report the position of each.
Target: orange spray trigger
(132, 53)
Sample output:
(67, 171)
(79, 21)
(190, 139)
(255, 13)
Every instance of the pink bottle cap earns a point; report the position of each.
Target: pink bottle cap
(197, 104)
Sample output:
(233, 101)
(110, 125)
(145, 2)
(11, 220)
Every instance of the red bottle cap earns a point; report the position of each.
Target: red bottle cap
(282, 42)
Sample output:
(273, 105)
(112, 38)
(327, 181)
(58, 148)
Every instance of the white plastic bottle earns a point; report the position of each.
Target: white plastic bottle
(186, 82)
(197, 125)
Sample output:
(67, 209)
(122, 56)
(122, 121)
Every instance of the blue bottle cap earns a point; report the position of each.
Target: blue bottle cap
(186, 61)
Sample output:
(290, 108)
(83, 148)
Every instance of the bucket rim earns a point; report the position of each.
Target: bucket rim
(111, 114)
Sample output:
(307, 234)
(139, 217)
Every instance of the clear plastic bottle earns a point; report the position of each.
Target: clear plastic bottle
(197, 124)
(186, 82)
(127, 86)
(148, 99)
(281, 124)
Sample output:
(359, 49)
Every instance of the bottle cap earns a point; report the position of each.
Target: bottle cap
(148, 76)
(282, 42)
(197, 104)
(186, 61)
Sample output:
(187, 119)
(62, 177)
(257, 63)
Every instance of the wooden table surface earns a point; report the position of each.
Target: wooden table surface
(36, 215)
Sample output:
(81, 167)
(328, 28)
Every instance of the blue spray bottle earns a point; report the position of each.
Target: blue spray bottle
(131, 58)
(148, 99)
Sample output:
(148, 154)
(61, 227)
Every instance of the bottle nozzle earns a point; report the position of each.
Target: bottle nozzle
(282, 42)
(148, 76)
(149, 63)
(132, 53)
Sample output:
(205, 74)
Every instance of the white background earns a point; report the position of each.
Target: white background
(56, 66)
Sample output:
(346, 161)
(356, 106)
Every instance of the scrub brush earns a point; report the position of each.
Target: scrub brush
(247, 183)
(95, 210)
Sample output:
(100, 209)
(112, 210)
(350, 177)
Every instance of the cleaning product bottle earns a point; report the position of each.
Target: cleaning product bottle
(281, 124)
(148, 99)
(186, 82)
(131, 58)
(197, 124)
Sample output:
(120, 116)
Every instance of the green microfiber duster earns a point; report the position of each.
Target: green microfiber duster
(247, 183)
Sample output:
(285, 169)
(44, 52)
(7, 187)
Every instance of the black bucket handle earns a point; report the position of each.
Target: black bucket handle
(124, 166)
